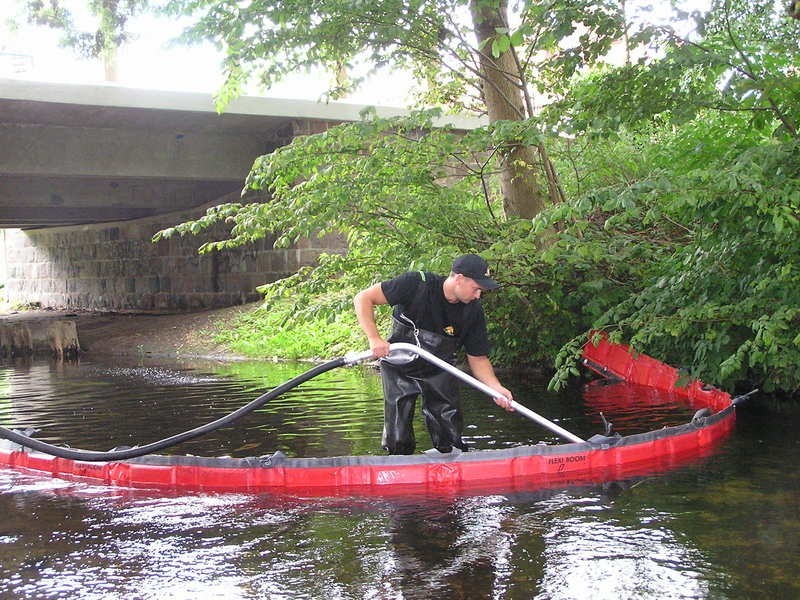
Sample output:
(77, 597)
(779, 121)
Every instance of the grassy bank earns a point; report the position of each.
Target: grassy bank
(263, 333)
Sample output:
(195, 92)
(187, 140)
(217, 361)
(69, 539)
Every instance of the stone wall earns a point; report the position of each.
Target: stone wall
(116, 267)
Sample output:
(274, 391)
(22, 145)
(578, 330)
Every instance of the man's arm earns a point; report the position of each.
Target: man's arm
(365, 302)
(482, 370)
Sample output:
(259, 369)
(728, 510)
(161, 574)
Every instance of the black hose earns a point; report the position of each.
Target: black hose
(114, 455)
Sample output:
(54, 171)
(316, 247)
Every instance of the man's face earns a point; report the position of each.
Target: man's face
(466, 290)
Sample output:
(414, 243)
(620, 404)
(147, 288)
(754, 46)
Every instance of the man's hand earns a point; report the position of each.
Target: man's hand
(504, 401)
(379, 347)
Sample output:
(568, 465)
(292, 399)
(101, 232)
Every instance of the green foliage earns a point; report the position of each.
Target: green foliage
(273, 38)
(112, 18)
(565, 37)
(689, 255)
(634, 96)
(263, 333)
(269, 39)
(573, 263)
(679, 231)
(740, 57)
(594, 163)
(404, 194)
(727, 303)
(719, 296)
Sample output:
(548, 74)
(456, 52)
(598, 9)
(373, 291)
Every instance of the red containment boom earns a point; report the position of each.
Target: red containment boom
(522, 468)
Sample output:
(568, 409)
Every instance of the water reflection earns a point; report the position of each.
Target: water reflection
(587, 556)
(98, 407)
(549, 545)
(634, 408)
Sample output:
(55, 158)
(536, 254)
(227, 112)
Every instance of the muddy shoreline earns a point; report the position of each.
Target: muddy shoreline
(175, 335)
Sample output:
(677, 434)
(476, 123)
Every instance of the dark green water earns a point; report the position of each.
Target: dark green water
(725, 526)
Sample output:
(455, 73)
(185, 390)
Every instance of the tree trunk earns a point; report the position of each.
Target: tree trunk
(502, 92)
(110, 65)
(109, 18)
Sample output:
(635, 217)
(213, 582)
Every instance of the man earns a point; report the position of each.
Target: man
(440, 314)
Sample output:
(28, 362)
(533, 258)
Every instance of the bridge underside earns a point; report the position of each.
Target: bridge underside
(64, 163)
(78, 154)
(58, 201)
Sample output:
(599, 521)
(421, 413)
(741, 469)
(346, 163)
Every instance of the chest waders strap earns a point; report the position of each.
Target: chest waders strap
(404, 325)
(404, 329)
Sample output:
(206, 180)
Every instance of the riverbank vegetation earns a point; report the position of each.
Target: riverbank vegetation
(669, 182)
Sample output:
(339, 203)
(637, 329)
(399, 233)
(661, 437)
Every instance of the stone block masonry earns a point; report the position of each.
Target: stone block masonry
(117, 268)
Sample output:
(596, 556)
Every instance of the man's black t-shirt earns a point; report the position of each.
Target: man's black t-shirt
(465, 322)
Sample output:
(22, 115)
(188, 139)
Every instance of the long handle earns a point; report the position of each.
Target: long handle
(435, 360)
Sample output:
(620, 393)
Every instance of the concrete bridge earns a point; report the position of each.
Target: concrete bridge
(89, 173)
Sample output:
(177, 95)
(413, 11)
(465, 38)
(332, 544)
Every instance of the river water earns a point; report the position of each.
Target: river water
(722, 526)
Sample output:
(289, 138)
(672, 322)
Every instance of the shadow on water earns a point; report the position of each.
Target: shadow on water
(725, 526)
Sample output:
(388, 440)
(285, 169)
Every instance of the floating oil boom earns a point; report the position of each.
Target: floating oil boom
(598, 459)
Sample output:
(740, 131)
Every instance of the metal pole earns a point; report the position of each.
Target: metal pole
(399, 347)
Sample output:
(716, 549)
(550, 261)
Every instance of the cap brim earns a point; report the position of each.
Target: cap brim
(487, 284)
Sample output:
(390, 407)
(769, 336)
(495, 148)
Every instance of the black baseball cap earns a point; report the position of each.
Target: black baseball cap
(474, 267)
